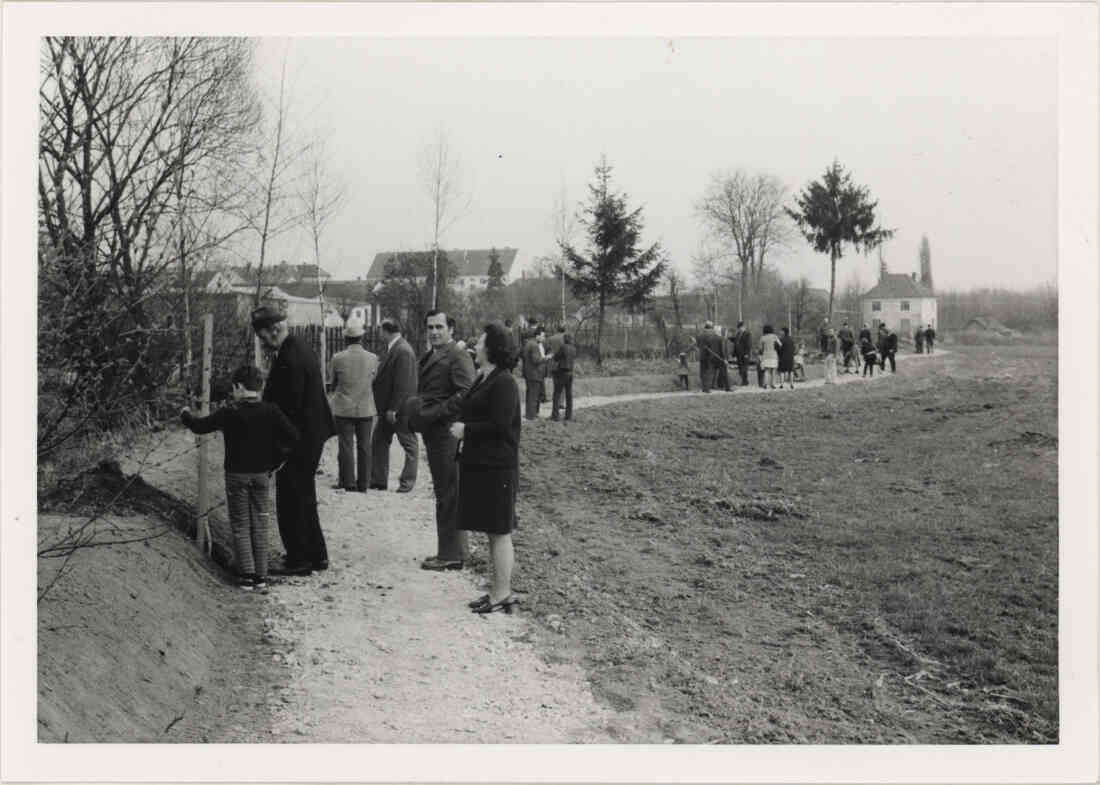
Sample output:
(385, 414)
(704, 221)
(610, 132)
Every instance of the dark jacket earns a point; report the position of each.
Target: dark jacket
(890, 342)
(865, 333)
(742, 345)
(710, 349)
(534, 366)
(257, 435)
(396, 377)
(295, 386)
(564, 359)
(490, 413)
(445, 376)
(786, 353)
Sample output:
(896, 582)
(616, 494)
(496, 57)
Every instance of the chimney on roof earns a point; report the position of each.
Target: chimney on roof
(914, 277)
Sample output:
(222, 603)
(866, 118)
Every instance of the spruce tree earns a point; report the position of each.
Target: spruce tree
(614, 271)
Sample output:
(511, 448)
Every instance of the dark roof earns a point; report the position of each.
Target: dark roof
(309, 271)
(895, 285)
(466, 262)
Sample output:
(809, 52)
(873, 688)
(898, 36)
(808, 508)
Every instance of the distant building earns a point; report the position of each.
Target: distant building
(213, 281)
(282, 273)
(901, 302)
(469, 267)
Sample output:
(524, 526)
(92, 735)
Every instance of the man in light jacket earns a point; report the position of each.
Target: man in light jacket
(395, 382)
(353, 372)
(534, 372)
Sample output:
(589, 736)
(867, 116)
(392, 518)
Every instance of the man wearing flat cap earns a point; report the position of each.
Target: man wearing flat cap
(353, 373)
(295, 386)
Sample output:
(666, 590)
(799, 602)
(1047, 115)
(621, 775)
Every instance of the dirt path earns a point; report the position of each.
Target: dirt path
(377, 650)
(381, 651)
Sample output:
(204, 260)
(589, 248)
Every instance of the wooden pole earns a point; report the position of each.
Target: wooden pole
(202, 525)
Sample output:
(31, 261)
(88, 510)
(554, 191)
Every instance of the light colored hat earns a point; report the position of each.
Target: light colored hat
(354, 328)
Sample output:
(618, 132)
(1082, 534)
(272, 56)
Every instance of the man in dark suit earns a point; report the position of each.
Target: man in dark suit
(742, 352)
(295, 386)
(564, 358)
(446, 373)
(534, 372)
(395, 382)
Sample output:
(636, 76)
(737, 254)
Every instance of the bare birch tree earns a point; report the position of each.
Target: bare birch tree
(565, 227)
(442, 175)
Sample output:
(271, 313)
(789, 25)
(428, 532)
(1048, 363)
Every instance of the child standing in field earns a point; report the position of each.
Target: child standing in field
(258, 437)
(800, 361)
(682, 371)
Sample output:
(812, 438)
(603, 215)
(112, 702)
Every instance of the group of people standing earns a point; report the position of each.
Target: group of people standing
(466, 409)
(554, 357)
(777, 356)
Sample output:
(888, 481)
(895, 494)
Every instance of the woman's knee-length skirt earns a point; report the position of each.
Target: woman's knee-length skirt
(487, 499)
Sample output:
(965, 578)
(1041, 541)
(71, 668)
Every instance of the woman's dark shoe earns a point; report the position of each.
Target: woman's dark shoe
(505, 605)
(484, 598)
(291, 569)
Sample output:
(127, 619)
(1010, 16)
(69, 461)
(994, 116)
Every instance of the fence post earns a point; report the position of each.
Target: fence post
(202, 525)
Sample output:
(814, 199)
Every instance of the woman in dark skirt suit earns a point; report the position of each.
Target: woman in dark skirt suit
(488, 460)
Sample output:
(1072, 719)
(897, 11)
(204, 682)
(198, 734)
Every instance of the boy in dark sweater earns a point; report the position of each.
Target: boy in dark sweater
(258, 437)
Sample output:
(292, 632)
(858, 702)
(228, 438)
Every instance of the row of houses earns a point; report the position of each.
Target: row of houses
(311, 296)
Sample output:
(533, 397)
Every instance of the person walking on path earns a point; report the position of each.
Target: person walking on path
(867, 349)
(488, 430)
(865, 333)
(534, 372)
(831, 347)
(769, 354)
(682, 375)
(564, 359)
(742, 351)
(786, 358)
(296, 387)
(353, 373)
(446, 373)
(889, 344)
(710, 354)
(257, 438)
(929, 338)
(918, 340)
(393, 384)
(847, 346)
(822, 335)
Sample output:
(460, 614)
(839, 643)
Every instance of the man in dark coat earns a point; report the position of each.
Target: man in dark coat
(929, 338)
(710, 355)
(888, 347)
(395, 382)
(865, 333)
(742, 351)
(446, 373)
(847, 345)
(918, 340)
(563, 360)
(534, 372)
(295, 386)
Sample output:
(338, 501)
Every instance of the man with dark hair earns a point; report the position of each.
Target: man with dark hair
(295, 386)
(534, 372)
(888, 343)
(847, 346)
(394, 383)
(710, 355)
(446, 373)
(564, 358)
(930, 338)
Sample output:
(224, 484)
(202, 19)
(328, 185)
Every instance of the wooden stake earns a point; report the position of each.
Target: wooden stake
(202, 525)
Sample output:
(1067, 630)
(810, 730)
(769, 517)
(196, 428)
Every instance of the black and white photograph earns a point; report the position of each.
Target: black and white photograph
(472, 379)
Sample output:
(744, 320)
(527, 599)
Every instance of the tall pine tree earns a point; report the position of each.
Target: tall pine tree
(926, 263)
(614, 271)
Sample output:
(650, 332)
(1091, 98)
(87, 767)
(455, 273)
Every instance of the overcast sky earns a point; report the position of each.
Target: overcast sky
(957, 139)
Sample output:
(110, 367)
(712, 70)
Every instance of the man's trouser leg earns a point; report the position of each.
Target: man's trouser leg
(706, 377)
(345, 451)
(893, 367)
(567, 382)
(364, 426)
(441, 446)
(558, 390)
(380, 452)
(296, 509)
(411, 445)
(533, 390)
(743, 370)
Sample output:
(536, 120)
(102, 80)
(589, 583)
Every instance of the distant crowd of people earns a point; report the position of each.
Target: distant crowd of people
(780, 361)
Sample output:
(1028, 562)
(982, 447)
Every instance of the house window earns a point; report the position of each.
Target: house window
(905, 305)
(876, 305)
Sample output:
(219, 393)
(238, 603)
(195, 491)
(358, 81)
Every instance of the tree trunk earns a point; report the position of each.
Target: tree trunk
(832, 282)
(599, 334)
(741, 290)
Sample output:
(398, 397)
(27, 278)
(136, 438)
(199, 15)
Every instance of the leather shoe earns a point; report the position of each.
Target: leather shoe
(375, 487)
(439, 565)
(290, 569)
(405, 490)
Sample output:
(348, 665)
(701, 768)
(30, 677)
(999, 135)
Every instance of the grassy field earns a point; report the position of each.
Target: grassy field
(865, 563)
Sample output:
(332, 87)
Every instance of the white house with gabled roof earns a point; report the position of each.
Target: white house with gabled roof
(901, 302)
